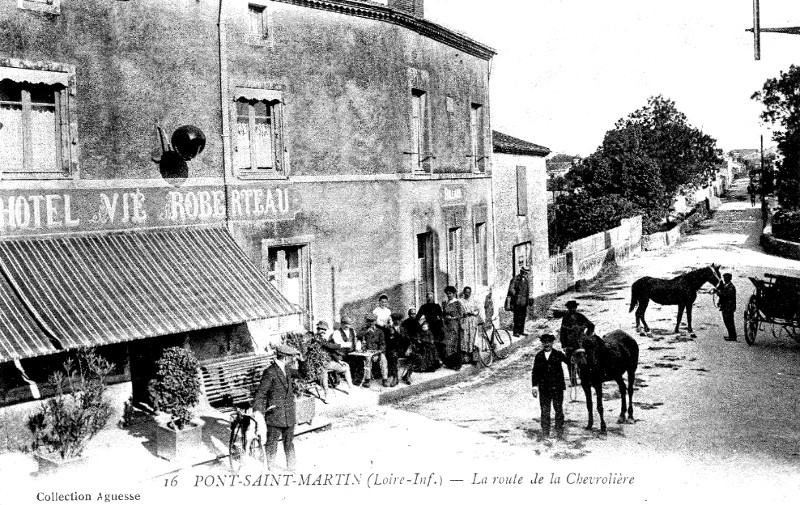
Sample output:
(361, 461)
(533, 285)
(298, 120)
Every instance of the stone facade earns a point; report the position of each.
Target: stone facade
(378, 172)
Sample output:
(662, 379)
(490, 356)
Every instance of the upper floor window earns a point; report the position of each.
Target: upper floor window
(259, 30)
(34, 123)
(420, 132)
(522, 191)
(258, 138)
(48, 6)
(476, 138)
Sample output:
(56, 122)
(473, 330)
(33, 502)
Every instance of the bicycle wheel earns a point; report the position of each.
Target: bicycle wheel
(236, 447)
(485, 349)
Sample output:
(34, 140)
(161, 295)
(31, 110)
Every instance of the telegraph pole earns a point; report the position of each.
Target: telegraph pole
(756, 29)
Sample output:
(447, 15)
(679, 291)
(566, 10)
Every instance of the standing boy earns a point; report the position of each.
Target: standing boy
(548, 378)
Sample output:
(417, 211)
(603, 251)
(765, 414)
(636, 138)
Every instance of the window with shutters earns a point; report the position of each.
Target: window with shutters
(455, 258)
(477, 154)
(35, 141)
(420, 133)
(258, 136)
(522, 191)
(259, 27)
(481, 255)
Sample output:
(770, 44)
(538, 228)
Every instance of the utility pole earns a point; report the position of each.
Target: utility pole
(756, 29)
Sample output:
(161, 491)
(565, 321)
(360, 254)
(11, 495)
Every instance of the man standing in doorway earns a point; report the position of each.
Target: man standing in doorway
(727, 304)
(274, 406)
(518, 299)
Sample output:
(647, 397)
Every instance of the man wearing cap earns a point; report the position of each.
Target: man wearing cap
(373, 339)
(727, 304)
(574, 326)
(273, 405)
(547, 379)
(334, 354)
(518, 299)
(345, 336)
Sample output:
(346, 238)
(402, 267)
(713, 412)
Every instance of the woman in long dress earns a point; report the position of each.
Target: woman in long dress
(453, 316)
(469, 325)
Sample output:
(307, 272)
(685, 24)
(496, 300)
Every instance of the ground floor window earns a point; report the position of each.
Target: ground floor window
(455, 259)
(522, 256)
(425, 266)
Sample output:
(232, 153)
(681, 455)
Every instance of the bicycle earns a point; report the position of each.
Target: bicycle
(241, 444)
(487, 343)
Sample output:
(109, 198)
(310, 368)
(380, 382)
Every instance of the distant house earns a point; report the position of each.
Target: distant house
(520, 215)
(559, 164)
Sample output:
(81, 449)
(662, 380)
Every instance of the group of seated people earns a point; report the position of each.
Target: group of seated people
(379, 345)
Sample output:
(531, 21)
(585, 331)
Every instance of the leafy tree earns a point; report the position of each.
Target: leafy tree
(685, 155)
(781, 98)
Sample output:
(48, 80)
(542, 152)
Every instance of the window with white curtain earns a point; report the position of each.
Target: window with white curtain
(34, 123)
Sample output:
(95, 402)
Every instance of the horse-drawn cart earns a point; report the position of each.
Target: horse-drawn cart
(776, 301)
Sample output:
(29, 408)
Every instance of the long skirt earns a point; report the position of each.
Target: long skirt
(469, 328)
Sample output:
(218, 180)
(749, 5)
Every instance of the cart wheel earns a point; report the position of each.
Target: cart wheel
(751, 321)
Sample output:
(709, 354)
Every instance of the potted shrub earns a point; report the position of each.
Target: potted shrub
(65, 423)
(313, 362)
(174, 391)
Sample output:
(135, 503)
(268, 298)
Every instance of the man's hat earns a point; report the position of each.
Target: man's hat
(371, 318)
(571, 303)
(727, 276)
(346, 320)
(323, 325)
(547, 337)
(286, 350)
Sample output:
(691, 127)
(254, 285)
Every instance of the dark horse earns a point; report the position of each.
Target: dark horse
(680, 291)
(606, 359)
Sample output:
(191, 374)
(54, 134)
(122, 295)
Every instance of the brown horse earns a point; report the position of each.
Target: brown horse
(680, 291)
(606, 359)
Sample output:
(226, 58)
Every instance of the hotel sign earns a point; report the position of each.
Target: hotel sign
(31, 211)
(454, 195)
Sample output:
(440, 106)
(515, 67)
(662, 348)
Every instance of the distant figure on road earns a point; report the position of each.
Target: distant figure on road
(751, 190)
(548, 377)
(518, 299)
(727, 304)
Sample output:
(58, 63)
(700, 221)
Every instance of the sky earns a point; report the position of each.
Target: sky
(567, 70)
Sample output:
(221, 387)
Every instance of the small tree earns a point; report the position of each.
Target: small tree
(781, 98)
(176, 386)
(65, 423)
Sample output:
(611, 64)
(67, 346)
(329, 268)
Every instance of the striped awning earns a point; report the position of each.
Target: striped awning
(20, 334)
(96, 289)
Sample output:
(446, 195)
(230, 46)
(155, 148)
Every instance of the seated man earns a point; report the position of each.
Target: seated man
(335, 361)
(372, 339)
(345, 336)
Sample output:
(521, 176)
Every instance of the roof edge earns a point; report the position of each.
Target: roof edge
(382, 13)
(506, 144)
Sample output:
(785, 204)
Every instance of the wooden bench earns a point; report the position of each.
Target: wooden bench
(231, 381)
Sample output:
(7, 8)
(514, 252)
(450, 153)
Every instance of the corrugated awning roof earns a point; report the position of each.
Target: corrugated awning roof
(20, 335)
(104, 288)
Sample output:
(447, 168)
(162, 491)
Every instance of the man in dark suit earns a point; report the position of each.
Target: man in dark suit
(727, 304)
(274, 403)
(518, 299)
(548, 377)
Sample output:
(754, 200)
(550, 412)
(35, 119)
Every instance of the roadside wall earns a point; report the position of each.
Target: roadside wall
(586, 258)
